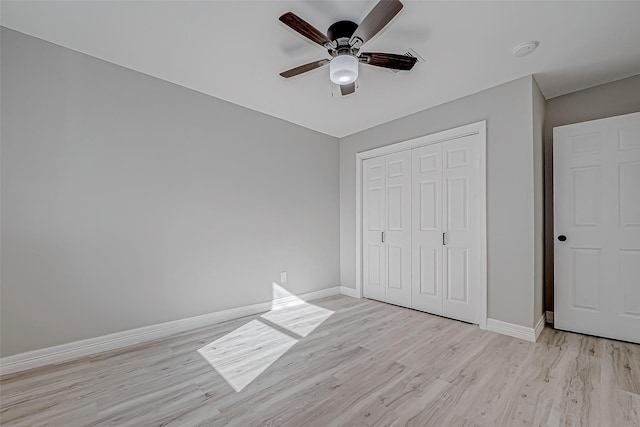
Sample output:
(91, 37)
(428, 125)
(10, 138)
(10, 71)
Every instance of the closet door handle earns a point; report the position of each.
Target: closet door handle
(383, 237)
(444, 242)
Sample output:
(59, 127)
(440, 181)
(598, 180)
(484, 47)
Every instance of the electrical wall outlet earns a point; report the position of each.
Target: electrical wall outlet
(283, 277)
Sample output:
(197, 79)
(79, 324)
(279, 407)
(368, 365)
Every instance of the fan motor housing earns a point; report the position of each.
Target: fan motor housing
(341, 29)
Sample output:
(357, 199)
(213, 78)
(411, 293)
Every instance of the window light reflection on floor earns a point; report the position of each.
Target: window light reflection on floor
(243, 354)
(294, 314)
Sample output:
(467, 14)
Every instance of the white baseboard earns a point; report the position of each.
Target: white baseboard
(87, 347)
(550, 317)
(350, 292)
(539, 326)
(513, 330)
(309, 296)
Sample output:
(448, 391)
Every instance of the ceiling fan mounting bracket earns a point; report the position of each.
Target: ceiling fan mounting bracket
(356, 42)
(340, 30)
(343, 50)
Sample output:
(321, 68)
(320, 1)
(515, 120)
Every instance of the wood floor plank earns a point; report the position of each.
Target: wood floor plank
(372, 415)
(364, 364)
(531, 396)
(354, 394)
(627, 409)
(577, 401)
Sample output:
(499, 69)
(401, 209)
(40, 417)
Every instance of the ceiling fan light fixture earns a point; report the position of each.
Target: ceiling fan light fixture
(343, 69)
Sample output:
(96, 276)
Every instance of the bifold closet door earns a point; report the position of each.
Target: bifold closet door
(374, 220)
(398, 233)
(446, 231)
(387, 228)
(461, 186)
(426, 246)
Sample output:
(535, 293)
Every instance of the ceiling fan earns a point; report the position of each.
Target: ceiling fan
(343, 42)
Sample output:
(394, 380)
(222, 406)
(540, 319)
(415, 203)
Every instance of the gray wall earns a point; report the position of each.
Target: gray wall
(539, 107)
(129, 201)
(510, 188)
(607, 100)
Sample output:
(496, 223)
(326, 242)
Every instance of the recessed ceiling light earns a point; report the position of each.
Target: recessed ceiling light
(524, 49)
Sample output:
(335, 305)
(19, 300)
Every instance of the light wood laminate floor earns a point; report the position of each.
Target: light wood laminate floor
(367, 364)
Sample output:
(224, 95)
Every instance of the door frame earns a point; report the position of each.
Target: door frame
(477, 128)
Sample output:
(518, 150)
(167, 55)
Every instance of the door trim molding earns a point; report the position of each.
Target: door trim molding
(540, 325)
(350, 292)
(478, 128)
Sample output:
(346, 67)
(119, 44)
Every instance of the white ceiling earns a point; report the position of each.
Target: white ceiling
(234, 50)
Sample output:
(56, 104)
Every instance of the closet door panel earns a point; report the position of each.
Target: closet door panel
(426, 246)
(461, 241)
(398, 234)
(374, 215)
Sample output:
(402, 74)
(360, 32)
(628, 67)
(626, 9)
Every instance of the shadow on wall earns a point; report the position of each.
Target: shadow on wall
(243, 354)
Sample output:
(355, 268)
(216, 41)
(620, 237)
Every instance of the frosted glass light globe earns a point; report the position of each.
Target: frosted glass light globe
(343, 69)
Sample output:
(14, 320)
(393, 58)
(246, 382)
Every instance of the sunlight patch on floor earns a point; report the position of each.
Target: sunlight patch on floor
(243, 354)
(294, 314)
(240, 356)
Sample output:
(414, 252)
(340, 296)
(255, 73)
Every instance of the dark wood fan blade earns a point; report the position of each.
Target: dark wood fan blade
(348, 89)
(304, 68)
(380, 15)
(388, 60)
(301, 26)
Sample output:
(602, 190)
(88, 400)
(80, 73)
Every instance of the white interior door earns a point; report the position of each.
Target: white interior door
(374, 218)
(426, 245)
(597, 227)
(460, 225)
(446, 245)
(398, 232)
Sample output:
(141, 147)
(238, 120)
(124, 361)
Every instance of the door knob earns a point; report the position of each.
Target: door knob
(562, 238)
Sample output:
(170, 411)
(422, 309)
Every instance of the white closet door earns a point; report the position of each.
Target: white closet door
(461, 228)
(374, 223)
(398, 232)
(426, 246)
(597, 227)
